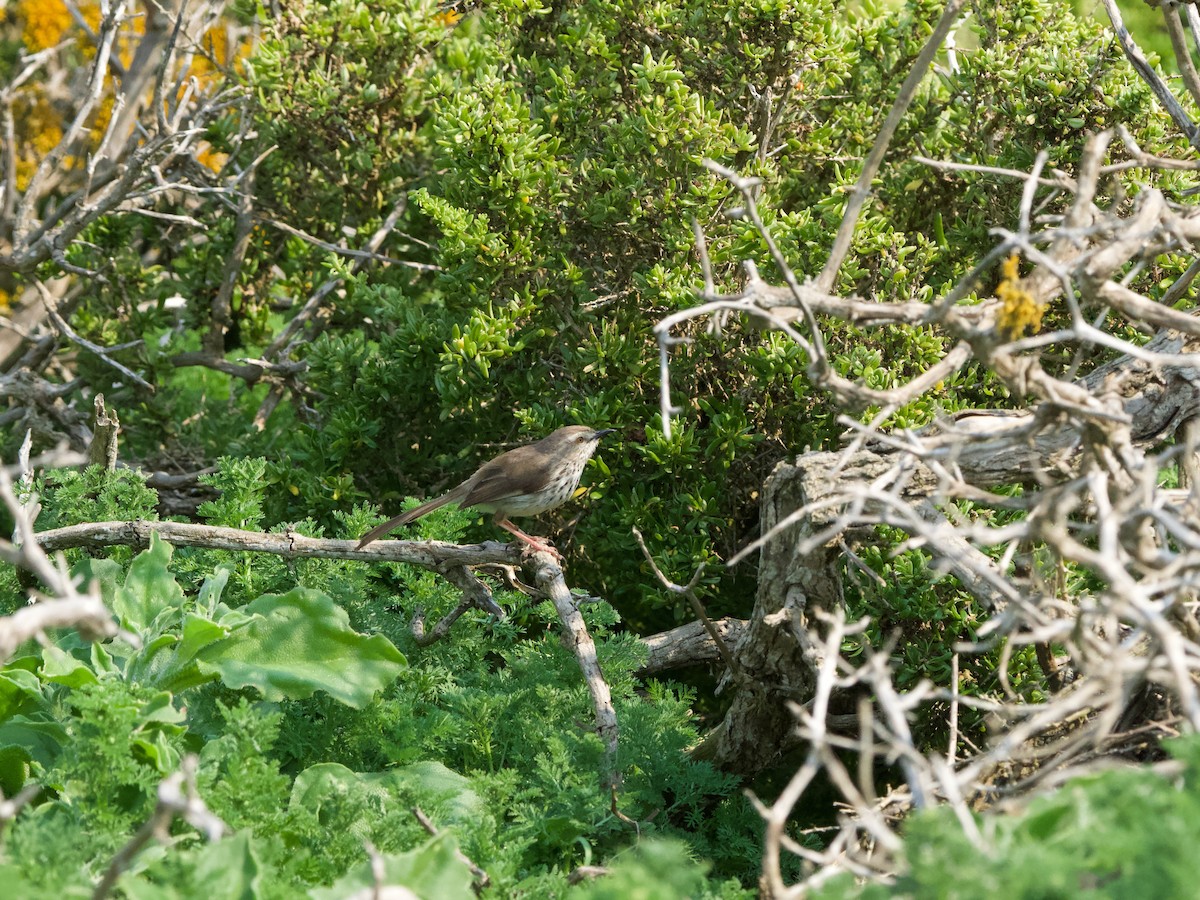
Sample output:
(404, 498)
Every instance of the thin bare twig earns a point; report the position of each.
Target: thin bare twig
(862, 188)
(689, 591)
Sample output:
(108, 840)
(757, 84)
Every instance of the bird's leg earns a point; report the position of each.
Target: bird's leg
(535, 543)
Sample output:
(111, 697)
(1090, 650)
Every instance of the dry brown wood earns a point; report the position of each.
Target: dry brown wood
(688, 645)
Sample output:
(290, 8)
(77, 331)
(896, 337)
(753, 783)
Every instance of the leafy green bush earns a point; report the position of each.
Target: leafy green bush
(546, 158)
(314, 738)
(566, 178)
(1122, 833)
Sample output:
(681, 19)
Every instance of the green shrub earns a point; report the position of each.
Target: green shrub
(1121, 833)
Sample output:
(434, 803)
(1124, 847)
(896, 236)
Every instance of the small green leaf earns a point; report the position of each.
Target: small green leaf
(158, 751)
(213, 587)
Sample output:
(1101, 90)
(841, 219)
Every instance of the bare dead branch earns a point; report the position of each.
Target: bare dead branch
(688, 645)
(689, 591)
(575, 636)
(177, 798)
(862, 188)
(482, 879)
(1138, 60)
(434, 555)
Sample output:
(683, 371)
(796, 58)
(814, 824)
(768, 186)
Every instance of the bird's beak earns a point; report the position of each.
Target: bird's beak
(603, 432)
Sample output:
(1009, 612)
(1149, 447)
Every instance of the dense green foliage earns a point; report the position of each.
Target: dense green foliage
(314, 736)
(1122, 833)
(546, 159)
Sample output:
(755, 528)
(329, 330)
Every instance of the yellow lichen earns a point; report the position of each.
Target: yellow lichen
(207, 156)
(1019, 310)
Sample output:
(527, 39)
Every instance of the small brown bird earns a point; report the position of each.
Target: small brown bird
(524, 481)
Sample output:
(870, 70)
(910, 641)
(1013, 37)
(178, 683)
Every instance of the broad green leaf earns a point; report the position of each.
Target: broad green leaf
(161, 708)
(102, 661)
(43, 738)
(179, 670)
(427, 781)
(331, 784)
(432, 872)
(458, 799)
(29, 663)
(149, 588)
(20, 693)
(61, 667)
(300, 642)
(198, 633)
(14, 768)
(158, 751)
(317, 782)
(149, 662)
(563, 830)
(106, 573)
(230, 868)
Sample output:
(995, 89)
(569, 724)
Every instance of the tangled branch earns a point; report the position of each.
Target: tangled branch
(1072, 476)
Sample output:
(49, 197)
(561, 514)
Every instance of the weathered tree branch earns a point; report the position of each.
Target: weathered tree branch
(434, 555)
(577, 639)
(451, 560)
(688, 645)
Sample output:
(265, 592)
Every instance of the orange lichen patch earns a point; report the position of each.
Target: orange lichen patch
(100, 118)
(1019, 310)
(132, 32)
(49, 22)
(91, 14)
(41, 129)
(214, 54)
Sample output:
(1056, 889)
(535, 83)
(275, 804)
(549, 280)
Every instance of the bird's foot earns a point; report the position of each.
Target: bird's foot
(534, 545)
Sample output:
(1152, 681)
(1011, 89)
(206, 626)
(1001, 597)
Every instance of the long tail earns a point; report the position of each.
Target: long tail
(415, 513)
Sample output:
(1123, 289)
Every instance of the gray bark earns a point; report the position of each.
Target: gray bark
(986, 448)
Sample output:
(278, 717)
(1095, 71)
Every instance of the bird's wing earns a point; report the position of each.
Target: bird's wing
(525, 470)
